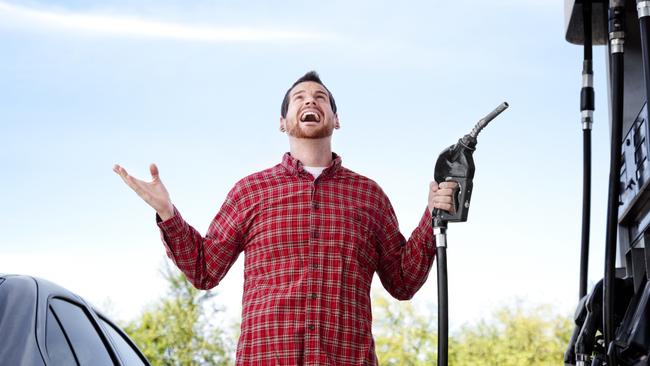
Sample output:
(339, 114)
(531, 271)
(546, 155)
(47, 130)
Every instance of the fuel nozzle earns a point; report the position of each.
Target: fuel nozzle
(589, 349)
(456, 163)
(578, 319)
(586, 341)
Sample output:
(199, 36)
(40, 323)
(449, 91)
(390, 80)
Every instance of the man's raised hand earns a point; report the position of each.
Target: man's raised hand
(153, 193)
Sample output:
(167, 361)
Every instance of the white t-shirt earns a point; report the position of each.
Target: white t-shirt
(315, 170)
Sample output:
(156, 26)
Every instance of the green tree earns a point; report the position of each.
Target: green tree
(515, 335)
(403, 336)
(176, 329)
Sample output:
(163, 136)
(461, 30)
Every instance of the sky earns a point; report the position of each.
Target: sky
(196, 86)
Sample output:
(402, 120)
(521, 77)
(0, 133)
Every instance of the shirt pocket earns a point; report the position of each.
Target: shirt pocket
(361, 239)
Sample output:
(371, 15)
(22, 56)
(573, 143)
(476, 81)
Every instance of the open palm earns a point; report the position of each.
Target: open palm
(154, 192)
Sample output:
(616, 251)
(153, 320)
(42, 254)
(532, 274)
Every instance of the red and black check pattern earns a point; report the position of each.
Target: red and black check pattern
(312, 247)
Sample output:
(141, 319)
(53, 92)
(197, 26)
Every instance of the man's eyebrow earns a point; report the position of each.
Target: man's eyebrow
(301, 91)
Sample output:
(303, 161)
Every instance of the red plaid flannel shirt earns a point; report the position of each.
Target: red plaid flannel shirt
(312, 247)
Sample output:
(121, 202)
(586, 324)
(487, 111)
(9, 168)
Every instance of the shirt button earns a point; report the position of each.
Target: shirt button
(315, 235)
(313, 296)
(314, 266)
(315, 206)
(312, 327)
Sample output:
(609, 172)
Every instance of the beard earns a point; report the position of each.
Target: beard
(321, 131)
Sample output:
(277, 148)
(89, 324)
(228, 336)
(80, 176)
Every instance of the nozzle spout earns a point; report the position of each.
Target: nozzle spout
(485, 120)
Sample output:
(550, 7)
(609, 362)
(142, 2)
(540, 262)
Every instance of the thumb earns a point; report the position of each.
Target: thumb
(154, 171)
(433, 186)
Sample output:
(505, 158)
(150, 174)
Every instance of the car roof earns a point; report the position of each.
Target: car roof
(23, 299)
(43, 285)
(18, 307)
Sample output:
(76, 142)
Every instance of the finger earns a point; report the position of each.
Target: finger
(119, 170)
(445, 192)
(154, 171)
(448, 185)
(442, 199)
(443, 206)
(433, 186)
(128, 179)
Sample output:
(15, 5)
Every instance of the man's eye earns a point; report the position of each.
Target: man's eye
(298, 97)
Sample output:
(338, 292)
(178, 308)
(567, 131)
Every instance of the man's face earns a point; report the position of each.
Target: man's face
(309, 114)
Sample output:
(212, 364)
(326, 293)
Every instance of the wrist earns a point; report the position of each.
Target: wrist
(166, 213)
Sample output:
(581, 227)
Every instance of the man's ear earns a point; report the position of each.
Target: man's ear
(337, 124)
(283, 124)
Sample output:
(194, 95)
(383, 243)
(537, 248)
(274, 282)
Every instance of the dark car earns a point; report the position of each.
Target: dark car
(42, 323)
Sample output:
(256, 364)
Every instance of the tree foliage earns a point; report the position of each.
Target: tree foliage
(403, 336)
(515, 335)
(176, 330)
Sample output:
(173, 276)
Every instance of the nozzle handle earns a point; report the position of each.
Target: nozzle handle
(461, 201)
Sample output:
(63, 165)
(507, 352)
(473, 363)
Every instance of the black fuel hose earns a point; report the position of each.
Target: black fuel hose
(617, 38)
(443, 306)
(586, 211)
(586, 110)
(643, 9)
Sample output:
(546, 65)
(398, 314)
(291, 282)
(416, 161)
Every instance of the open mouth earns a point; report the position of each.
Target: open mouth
(309, 116)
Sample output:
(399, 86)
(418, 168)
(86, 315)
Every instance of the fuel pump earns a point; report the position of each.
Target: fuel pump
(455, 163)
(615, 331)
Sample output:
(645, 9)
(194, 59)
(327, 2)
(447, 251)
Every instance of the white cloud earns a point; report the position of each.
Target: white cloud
(127, 26)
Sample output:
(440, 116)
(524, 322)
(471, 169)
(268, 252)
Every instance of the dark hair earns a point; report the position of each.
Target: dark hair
(310, 76)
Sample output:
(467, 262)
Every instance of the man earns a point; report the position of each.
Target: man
(314, 233)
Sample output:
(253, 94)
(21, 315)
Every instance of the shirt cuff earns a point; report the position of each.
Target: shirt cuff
(172, 227)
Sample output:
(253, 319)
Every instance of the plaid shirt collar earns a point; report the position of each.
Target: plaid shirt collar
(294, 166)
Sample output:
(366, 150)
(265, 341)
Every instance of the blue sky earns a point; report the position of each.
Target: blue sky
(196, 86)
